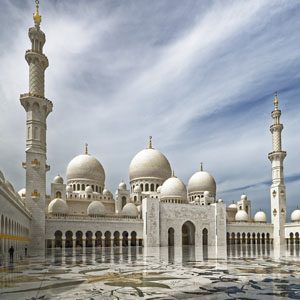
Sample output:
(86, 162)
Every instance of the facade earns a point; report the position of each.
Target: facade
(156, 209)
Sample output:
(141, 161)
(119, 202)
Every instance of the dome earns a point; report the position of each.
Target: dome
(220, 201)
(202, 181)
(58, 206)
(232, 205)
(197, 199)
(137, 189)
(260, 216)
(87, 167)
(96, 208)
(158, 189)
(58, 179)
(122, 185)
(130, 210)
(173, 188)
(149, 163)
(243, 197)
(88, 189)
(22, 192)
(241, 216)
(295, 216)
(2, 178)
(69, 189)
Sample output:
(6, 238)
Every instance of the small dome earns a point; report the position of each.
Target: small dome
(137, 189)
(122, 186)
(130, 210)
(206, 194)
(22, 193)
(2, 178)
(295, 216)
(197, 199)
(10, 186)
(243, 197)
(96, 208)
(260, 216)
(202, 181)
(241, 216)
(88, 189)
(158, 189)
(173, 188)
(58, 179)
(107, 193)
(69, 189)
(58, 206)
(232, 205)
(86, 167)
(220, 201)
(149, 163)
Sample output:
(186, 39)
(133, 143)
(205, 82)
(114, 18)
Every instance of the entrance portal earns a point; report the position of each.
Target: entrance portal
(188, 233)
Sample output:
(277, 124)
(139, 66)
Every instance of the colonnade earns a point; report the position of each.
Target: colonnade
(248, 238)
(78, 239)
(14, 234)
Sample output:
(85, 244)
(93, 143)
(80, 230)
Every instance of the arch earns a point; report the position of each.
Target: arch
(79, 235)
(248, 238)
(238, 238)
(227, 238)
(123, 201)
(205, 237)
(133, 239)
(243, 238)
(58, 194)
(89, 239)
(135, 199)
(171, 234)
(98, 240)
(78, 187)
(258, 238)
(263, 238)
(125, 239)
(233, 238)
(152, 187)
(268, 238)
(107, 239)
(188, 233)
(142, 187)
(297, 238)
(253, 238)
(69, 239)
(116, 238)
(58, 239)
(35, 133)
(147, 187)
(83, 187)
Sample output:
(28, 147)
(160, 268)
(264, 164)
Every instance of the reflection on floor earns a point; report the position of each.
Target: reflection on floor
(245, 272)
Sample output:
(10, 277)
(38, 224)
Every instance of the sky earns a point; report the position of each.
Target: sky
(198, 76)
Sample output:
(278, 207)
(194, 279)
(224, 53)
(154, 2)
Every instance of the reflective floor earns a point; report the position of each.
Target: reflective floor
(239, 272)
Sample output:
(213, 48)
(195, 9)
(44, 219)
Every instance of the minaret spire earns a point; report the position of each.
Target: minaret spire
(37, 109)
(277, 190)
(150, 142)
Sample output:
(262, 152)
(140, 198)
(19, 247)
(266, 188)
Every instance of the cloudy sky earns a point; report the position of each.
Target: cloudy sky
(198, 76)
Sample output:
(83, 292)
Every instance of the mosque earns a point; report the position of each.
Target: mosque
(155, 209)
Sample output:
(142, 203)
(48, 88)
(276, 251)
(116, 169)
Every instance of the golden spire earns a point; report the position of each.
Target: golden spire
(37, 18)
(276, 101)
(150, 142)
(173, 173)
(201, 166)
(86, 151)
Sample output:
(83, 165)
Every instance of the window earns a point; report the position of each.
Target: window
(58, 195)
(147, 187)
(152, 187)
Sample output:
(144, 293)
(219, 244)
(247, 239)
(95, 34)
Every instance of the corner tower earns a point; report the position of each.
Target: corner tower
(277, 190)
(37, 109)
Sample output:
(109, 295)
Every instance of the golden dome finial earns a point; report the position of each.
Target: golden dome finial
(276, 101)
(37, 18)
(150, 142)
(201, 166)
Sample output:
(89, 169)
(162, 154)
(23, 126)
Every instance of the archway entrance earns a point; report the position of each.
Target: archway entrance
(188, 233)
(171, 237)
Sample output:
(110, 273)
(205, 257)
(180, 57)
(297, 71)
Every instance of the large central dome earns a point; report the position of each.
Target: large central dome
(149, 163)
(85, 167)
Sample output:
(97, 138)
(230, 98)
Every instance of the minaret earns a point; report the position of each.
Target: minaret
(277, 190)
(37, 109)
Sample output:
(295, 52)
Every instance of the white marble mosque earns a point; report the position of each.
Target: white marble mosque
(155, 209)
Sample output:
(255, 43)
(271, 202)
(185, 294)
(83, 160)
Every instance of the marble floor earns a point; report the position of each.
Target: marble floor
(239, 272)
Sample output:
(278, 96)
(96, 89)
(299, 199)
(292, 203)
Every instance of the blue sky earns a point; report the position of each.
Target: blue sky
(198, 76)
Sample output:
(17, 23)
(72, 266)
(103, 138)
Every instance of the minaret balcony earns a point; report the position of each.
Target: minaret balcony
(277, 155)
